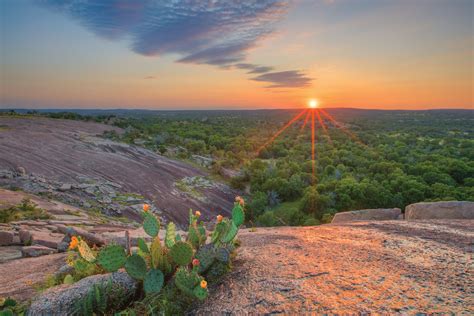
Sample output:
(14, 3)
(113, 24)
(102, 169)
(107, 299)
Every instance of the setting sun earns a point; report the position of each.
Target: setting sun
(313, 103)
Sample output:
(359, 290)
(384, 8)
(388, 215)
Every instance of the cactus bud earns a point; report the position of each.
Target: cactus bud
(203, 284)
(195, 262)
(146, 207)
(198, 213)
(219, 218)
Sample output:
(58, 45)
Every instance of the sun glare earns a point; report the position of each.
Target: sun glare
(313, 103)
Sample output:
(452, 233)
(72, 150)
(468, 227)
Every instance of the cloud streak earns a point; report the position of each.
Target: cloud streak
(284, 79)
(212, 32)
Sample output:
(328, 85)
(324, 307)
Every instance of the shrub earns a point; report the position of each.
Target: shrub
(25, 210)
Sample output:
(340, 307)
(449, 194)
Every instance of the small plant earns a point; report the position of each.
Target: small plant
(25, 210)
(174, 265)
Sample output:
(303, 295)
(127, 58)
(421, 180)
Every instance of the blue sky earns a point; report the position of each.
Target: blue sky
(236, 54)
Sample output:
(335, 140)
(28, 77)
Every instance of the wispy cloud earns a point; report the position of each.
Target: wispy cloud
(150, 77)
(210, 32)
(285, 79)
(253, 69)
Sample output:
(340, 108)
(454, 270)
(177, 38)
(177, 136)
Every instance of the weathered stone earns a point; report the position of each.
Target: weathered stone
(8, 253)
(36, 251)
(440, 210)
(61, 300)
(21, 171)
(6, 238)
(90, 238)
(46, 238)
(20, 277)
(367, 215)
(25, 236)
(65, 187)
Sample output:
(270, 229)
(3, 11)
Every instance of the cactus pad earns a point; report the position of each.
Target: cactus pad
(136, 267)
(219, 230)
(170, 237)
(151, 225)
(85, 252)
(206, 256)
(111, 258)
(142, 245)
(231, 233)
(155, 252)
(223, 255)
(200, 293)
(194, 237)
(238, 215)
(186, 281)
(68, 279)
(182, 253)
(154, 280)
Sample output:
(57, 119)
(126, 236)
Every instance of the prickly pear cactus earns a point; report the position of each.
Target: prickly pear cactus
(85, 252)
(136, 267)
(182, 253)
(111, 258)
(231, 233)
(200, 292)
(238, 215)
(153, 282)
(170, 237)
(206, 256)
(151, 225)
(142, 245)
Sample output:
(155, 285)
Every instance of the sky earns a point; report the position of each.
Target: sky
(241, 54)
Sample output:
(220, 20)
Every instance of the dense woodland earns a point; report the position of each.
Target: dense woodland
(373, 159)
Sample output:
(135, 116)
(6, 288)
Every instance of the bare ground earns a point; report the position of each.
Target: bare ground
(65, 150)
(367, 267)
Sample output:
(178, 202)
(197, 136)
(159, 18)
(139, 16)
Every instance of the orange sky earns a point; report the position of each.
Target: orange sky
(366, 54)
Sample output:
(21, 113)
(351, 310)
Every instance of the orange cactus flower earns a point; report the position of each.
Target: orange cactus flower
(219, 218)
(146, 207)
(203, 284)
(195, 262)
(198, 213)
(73, 243)
(240, 200)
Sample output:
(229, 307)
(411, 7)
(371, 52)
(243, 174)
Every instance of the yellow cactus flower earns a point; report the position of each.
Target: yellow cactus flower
(219, 218)
(146, 207)
(198, 213)
(203, 284)
(73, 243)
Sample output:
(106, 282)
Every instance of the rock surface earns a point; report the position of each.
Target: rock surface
(37, 251)
(386, 267)
(440, 210)
(18, 278)
(6, 238)
(61, 300)
(70, 161)
(366, 215)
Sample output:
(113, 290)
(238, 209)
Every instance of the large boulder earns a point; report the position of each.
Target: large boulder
(440, 210)
(62, 300)
(367, 215)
